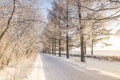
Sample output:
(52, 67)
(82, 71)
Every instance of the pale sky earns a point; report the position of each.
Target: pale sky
(45, 6)
(115, 41)
(115, 44)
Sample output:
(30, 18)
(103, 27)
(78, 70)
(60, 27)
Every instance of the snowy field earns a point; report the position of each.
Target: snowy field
(38, 71)
(55, 68)
(104, 67)
(100, 53)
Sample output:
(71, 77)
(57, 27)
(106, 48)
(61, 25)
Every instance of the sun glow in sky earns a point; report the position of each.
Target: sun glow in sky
(114, 26)
(115, 44)
(115, 41)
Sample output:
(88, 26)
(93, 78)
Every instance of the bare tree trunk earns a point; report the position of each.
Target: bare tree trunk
(60, 44)
(67, 46)
(92, 47)
(82, 49)
(55, 47)
(52, 48)
(92, 42)
(81, 34)
(85, 47)
(67, 39)
(54, 39)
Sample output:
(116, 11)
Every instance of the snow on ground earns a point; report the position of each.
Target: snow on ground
(100, 53)
(104, 67)
(56, 68)
(14, 73)
(17, 71)
(33, 71)
(37, 70)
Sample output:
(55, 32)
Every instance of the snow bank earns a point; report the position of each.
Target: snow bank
(37, 70)
(17, 71)
(103, 67)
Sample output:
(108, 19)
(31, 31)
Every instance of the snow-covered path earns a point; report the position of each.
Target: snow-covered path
(37, 70)
(55, 68)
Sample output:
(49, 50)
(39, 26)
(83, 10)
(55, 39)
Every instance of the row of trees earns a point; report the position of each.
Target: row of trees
(79, 23)
(20, 26)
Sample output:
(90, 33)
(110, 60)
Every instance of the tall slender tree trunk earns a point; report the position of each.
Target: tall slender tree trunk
(82, 49)
(92, 42)
(92, 47)
(81, 32)
(67, 46)
(85, 47)
(52, 48)
(59, 44)
(67, 39)
(54, 39)
(55, 47)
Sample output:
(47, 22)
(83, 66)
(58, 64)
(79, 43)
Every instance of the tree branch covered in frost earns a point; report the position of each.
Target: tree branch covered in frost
(9, 20)
(21, 25)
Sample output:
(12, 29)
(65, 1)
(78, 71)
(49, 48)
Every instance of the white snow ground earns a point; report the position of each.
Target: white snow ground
(17, 70)
(104, 67)
(99, 53)
(64, 69)
(37, 70)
